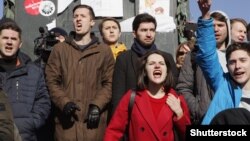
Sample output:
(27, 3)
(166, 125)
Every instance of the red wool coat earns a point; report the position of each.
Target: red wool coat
(143, 125)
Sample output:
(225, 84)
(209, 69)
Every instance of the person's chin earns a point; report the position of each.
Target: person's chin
(240, 81)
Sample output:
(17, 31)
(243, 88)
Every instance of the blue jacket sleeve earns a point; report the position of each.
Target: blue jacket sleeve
(207, 57)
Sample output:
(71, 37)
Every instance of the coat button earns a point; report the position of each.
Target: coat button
(142, 129)
(164, 133)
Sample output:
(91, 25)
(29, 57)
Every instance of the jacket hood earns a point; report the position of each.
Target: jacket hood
(70, 40)
(228, 39)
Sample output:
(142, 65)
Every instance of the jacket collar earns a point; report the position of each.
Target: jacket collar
(165, 116)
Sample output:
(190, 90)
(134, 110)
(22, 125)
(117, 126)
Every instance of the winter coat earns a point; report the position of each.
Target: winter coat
(142, 125)
(6, 119)
(8, 129)
(82, 76)
(227, 92)
(194, 87)
(28, 96)
(125, 74)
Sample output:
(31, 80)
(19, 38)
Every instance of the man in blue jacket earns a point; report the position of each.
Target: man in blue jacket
(23, 83)
(232, 89)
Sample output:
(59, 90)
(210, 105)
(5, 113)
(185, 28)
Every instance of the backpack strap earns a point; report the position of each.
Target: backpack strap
(130, 107)
(131, 103)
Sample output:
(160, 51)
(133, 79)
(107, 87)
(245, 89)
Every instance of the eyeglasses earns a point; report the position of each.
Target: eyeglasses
(181, 52)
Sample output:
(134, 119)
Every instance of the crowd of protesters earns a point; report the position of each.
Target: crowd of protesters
(91, 89)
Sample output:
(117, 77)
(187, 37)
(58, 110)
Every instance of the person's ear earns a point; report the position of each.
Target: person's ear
(92, 23)
(134, 34)
(21, 43)
(120, 34)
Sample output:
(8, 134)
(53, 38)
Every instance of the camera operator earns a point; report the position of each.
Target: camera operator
(45, 43)
(43, 46)
(60, 34)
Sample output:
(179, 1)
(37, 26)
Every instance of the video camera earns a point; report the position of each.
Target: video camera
(44, 43)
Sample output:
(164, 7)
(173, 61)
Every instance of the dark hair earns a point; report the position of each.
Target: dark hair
(11, 25)
(108, 19)
(218, 16)
(142, 82)
(248, 32)
(143, 18)
(234, 20)
(223, 18)
(91, 11)
(245, 46)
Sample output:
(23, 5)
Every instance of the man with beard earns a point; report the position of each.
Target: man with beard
(126, 66)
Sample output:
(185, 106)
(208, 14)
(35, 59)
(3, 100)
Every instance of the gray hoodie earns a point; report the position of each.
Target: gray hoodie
(221, 54)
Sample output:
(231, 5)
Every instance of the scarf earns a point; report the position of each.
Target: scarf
(141, 50)
(8, 65)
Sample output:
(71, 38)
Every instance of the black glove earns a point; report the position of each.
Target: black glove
(93, 116)
(70, 108)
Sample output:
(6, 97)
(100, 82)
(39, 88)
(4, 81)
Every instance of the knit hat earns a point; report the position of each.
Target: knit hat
(58, 30)
(233, 116)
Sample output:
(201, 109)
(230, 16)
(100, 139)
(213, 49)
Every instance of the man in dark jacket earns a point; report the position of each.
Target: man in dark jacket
(126, 66)
(23, 83)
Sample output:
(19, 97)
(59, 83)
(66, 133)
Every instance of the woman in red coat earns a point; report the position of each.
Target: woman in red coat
(157, 107)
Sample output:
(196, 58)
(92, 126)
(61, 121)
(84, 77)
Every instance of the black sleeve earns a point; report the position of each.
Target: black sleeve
(119, 82)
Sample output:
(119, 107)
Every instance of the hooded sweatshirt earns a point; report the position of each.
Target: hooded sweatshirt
(221, 53)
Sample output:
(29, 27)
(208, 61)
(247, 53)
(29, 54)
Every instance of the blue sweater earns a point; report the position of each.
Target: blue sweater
(227, 93)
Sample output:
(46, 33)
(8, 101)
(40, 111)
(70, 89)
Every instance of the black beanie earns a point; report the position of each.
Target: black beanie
(58, 30)
(233, 116)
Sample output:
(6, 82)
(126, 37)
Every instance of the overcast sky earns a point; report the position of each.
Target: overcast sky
(233, 8)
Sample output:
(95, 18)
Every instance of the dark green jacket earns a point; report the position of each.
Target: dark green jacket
(8, 130)
(6, 119)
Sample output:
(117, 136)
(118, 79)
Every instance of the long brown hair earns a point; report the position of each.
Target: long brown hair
(142, 82)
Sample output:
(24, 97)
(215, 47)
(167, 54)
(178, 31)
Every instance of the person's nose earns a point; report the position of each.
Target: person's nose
(78, 18)
(157, 65)
(237, 64)
(216, 28)
(111, 30)
(149, 33)
(9, 41)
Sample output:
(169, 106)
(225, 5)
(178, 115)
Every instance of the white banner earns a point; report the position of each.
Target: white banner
(155, 7)
(106, 8)
(62, 5)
